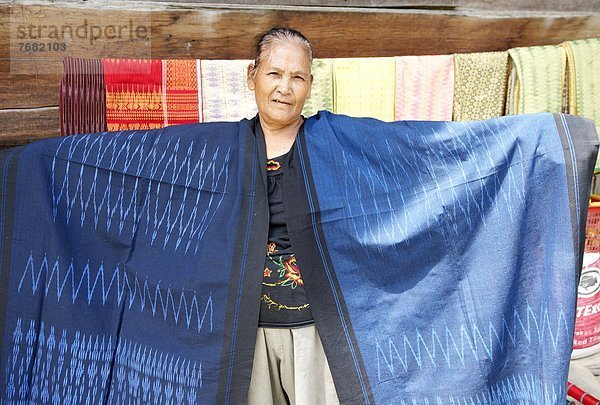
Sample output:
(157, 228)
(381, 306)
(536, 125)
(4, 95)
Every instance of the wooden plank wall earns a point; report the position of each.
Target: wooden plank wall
(29, 80)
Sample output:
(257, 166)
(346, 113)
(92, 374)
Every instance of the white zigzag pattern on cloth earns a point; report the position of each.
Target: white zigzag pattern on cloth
(93, 284)
(452, 346)
(74, 368)
(77, 188)
(519, 389)
(405, 174)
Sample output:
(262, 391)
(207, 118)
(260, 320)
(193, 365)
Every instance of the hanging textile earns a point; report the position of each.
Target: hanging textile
(431, 251)
(364, 87)
(183, 91)
(321, 94)
(134, 94)
(583, 61)
(226, 96)
(536, 79)
(82, 97)
(480, 85)
(149, 94)
(424, 87)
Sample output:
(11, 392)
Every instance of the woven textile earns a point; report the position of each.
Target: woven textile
(438, 268)
(82, 97)
(226, 96)
(424, 87)
(364, 87)
(134, 97)
(321, 95)
(583, 60)
(536, 79)
(480, 85)
(183, 91)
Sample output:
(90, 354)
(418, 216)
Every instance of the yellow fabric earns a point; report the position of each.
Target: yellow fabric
(480, 85)
(321, 97)
(537, 76)
(583, 61)
(364, 87)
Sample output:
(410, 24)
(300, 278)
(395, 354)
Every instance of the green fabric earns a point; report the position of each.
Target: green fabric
(583, 58)
(537, 79)
(321, 97)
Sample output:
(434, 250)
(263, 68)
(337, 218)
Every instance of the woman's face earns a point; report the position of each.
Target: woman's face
(281, 84)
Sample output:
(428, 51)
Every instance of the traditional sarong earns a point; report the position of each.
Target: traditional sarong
(134, 94)
(182, 86)
(536, 79)
(364, 87)
(226, 96)
(82, 97)
(424, 87)
(480, 85)
(440, 259)
(583, 61)
(321, 94)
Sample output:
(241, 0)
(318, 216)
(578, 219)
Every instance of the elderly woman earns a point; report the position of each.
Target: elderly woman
(132, 262)
(289, 363)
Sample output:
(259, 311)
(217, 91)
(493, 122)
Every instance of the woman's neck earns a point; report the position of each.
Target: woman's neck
(279, 140)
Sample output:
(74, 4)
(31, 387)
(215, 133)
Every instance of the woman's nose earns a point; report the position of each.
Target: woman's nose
(284, 85)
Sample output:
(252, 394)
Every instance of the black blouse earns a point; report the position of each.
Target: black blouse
(283, 301)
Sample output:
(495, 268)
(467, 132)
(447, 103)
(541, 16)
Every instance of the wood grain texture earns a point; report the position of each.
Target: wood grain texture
(368, 5)
(181, 31)
(18, 127)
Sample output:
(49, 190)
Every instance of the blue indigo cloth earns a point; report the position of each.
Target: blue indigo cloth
(440, 259)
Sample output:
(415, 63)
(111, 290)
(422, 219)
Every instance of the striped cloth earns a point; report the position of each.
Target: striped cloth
(225, 92)
(82, 97)
(364, 87)
(583, 61)
(321, 97)
(182, 91)
(536, 79)
(480, 85)
(424, 87)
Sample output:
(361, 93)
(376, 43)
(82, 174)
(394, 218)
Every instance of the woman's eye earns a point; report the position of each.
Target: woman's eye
(273, 74)
(299, 78)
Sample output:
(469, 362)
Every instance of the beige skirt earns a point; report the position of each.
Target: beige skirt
(290, 367)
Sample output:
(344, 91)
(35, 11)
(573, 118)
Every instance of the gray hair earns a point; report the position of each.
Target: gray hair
(265, 41)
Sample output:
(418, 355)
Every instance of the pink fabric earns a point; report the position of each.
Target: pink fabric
(424, 87)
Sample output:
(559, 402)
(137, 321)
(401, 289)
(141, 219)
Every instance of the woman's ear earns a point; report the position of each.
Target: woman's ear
(310, 86)
(250, 78)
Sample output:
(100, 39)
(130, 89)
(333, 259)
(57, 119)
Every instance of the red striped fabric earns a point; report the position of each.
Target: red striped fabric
(82, 97)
